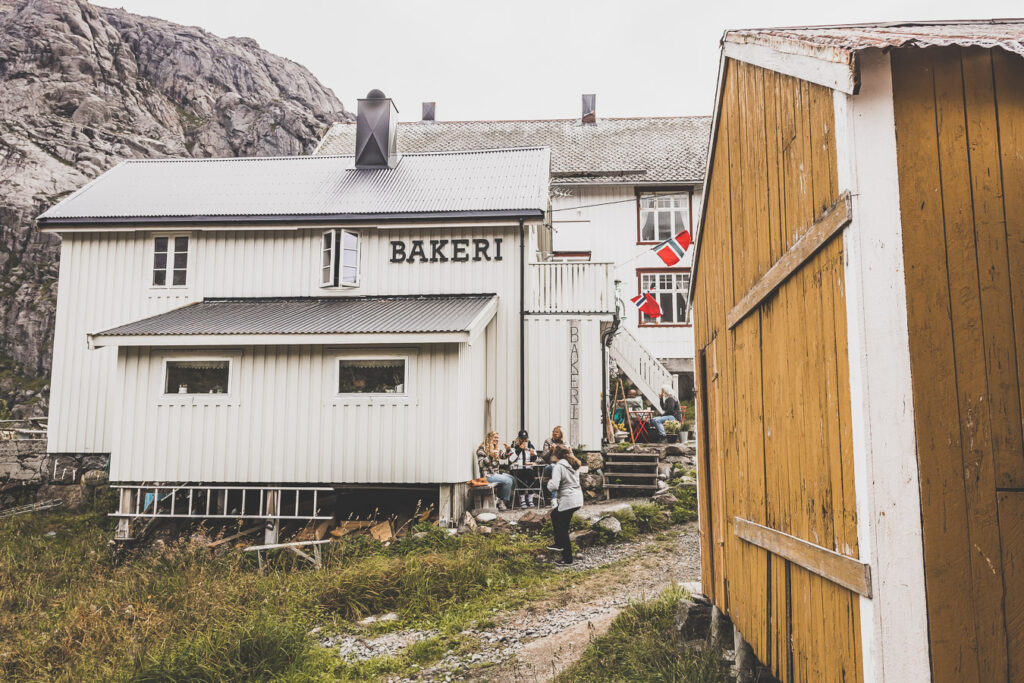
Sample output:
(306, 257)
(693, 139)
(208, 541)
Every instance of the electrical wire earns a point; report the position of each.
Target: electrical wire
(618, 201)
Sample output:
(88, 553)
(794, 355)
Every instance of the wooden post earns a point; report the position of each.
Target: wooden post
(124, 523)
(273, 529)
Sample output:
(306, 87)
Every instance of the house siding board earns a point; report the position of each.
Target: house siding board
(958, 114)
(104, 283)
(777, 391)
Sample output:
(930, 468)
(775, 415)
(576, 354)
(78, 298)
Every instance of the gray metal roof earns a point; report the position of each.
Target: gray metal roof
(613, 150)
(314, 315)
(507, 181)
(837, 43)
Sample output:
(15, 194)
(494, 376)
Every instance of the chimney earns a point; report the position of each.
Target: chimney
(590, 109)
(376, 137)
(428, 110)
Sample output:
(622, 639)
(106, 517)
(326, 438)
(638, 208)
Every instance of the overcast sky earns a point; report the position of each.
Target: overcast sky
(482, 59)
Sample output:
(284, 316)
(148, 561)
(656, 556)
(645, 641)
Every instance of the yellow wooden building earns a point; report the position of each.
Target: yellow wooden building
(858, 297)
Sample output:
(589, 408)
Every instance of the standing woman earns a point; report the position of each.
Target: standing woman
(565, 481)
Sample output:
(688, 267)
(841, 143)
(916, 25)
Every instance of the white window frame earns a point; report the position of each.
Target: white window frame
(169, 266)
(681, 200)
(657, 273)
(229, 397)
(338, 357)
(337, 258)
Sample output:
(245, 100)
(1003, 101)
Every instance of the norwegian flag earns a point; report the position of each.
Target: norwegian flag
(671, 251)
(647, 304)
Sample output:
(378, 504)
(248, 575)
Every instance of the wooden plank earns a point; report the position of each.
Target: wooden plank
(839, 569)
(1009, 85)
(1011, 531)
(814, 238)
(232, 537)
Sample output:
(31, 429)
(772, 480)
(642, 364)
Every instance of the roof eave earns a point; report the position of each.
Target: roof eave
(96, 341)
(57, 224)
(834, 68)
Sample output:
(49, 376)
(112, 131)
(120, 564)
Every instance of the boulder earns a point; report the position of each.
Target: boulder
(610, 524)
(468, 521)
(484, 529)
(95, 478)
(673, 451)
(590, 481)
(662, 485)
(486, 517)
(532, 520)
(693, 617)
(664, 470)
(595, 461)
(665, 498)
(584, 538)
(688, 481)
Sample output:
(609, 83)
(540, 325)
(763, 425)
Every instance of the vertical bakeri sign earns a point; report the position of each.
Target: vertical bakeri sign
(574, 383)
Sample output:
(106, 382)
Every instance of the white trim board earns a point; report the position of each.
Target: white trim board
(203, 340)
(894, 623)
(834, 75)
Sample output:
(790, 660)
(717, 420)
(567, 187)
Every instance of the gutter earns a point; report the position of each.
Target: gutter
(522, 325)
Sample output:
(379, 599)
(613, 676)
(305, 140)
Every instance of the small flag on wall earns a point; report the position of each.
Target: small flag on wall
(671, 251)
(647, 304)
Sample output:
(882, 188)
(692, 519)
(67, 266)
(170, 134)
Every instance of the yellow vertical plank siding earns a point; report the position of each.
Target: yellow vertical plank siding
(778, 442)
(959, 114)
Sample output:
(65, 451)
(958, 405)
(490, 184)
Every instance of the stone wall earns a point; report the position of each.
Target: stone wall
(28, 473)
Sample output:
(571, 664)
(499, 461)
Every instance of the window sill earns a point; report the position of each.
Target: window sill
(197, 400)
(372, 400)
(654, 326)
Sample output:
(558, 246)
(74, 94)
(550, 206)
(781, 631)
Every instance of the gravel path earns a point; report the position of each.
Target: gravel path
(539, 640)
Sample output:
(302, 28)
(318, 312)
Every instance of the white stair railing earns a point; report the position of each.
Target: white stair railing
(640, 365)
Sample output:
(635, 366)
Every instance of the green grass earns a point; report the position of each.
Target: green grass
(73, 608)
(643, 645)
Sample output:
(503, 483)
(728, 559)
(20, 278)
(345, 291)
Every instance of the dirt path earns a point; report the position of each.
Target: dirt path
(540, 640)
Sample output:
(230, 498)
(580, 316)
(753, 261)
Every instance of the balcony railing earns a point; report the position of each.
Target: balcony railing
(570, 287)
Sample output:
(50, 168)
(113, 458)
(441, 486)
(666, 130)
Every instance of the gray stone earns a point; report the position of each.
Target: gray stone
(486, 517)
(595, 461)
(484, 529)
(693, 617)
(584, 538)
(665, 498)
(610, 524)
(95, 478)
(468, 522)
(532, 520)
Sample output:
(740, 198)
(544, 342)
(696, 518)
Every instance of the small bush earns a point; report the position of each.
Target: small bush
(643, 645)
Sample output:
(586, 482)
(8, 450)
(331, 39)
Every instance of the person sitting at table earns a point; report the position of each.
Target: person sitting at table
(633, 401)
(488, 460)
(521, 458)
(670, 409)
(557, 439)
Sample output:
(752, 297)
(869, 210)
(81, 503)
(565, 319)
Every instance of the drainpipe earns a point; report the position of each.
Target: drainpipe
(522, 325)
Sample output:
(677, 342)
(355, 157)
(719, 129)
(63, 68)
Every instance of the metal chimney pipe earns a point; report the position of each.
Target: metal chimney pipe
(376, 131)
(589, 108)
(429, 109)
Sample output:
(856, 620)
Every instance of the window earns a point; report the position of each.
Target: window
(372, 375)
(670, 288)
(170, 261)
(195, 376)
(663, 215)
(339, 258)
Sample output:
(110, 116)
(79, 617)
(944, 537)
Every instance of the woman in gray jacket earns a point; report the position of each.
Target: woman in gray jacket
(565, 482)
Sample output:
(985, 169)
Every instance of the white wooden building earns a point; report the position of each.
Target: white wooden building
(314, 322)
(620, 186)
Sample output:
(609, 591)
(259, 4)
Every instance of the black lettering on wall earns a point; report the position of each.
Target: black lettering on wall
(497, 248)
(437, 251)
(480, 248)
(460, 250)
(397, 251)
(417, 250)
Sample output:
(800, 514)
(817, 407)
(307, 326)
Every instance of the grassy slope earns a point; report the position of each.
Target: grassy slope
(71, 608)
(643, 645)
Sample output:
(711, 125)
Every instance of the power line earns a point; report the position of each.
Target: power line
(617, 201)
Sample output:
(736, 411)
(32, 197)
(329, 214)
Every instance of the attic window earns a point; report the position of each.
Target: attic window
(339, 258)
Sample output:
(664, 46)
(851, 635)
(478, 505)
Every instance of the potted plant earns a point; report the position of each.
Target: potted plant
(672, 429)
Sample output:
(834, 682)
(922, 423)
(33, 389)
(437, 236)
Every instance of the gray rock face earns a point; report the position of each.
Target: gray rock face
(85, 87)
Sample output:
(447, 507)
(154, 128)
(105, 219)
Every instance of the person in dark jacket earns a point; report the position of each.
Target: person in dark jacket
(670, 410)
(521, 458)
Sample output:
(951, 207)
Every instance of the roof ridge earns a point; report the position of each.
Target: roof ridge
(322, 157)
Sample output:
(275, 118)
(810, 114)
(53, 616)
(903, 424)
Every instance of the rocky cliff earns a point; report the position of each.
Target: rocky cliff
(83, 87)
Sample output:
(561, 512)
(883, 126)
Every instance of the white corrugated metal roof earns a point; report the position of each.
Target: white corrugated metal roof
(838, 43)
(313, 315)
(468, 182)
(612, 150)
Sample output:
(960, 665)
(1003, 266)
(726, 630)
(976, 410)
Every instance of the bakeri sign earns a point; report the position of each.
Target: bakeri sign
(442, 251)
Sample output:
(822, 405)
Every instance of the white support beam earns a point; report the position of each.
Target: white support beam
(894, 622)
(840, 76)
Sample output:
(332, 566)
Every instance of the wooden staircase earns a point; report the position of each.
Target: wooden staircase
(640, 365)
(630, 474)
